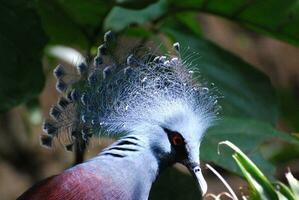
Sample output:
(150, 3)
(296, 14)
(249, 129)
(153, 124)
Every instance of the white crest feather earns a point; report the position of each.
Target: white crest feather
(117, 96)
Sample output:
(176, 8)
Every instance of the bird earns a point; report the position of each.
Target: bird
(151, 103)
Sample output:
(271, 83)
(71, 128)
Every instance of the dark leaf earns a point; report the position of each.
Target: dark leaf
(246, 134)
(173, 184)
(249, 104)
(277, 18)
(135, 4)
(246, 91)
(120, 18)
(75, 23)
(21, 46)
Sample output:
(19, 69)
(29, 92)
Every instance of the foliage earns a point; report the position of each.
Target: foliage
(275, 18)
(250, 103)
(22, 40)
(260, 186)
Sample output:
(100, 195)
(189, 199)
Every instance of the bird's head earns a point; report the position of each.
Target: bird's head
(162, 102)
(175, 137)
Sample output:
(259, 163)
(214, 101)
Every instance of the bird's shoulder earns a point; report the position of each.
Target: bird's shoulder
(75, 183)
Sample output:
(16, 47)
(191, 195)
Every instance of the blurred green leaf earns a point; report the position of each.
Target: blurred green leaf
(247, 134)
(284, 154)
(246, 91)
(120, 18)
(184, 186)
(261, 183)
(138, 32)
(284, 190)
(257, 192)
(257, 180)
(76, 23)
(89, 14)
(135, 4)
(294, 184)
(21, 46)
(289, 108)
(296, 136)
(260, 186)
(277, 18)
(249, 103)
(190, 20)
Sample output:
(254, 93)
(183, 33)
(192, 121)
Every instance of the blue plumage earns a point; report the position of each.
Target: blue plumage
(61, 86)
(50, 128)
(46, 141)
(115, 95)
(63, 102)
(55, 112)
(59, 71)
(82, 68)
(153, 100)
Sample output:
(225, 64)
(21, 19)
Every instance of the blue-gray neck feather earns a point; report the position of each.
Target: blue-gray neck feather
(131, 166)
(135, 95)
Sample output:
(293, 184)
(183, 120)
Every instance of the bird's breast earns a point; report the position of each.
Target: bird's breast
(76, 183)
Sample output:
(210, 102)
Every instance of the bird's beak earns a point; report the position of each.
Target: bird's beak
(195, 170)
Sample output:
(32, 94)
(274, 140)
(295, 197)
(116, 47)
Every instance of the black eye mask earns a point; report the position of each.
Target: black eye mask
(178, 144)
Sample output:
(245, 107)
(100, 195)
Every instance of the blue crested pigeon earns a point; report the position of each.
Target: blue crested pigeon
(152, 100)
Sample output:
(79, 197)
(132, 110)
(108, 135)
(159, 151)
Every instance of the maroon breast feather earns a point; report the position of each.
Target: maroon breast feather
(74, 184)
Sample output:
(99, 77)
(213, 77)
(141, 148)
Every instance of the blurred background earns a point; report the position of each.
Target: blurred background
(248, 49)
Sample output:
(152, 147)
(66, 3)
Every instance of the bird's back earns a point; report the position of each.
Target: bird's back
(75, 183)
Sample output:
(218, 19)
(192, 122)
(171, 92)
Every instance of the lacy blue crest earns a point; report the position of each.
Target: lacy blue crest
(113, 95)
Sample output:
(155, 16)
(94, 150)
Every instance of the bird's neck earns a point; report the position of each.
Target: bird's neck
(131, 164)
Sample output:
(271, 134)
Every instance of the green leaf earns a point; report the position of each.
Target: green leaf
(184, 186)
(289, 108)
(190, 20)
(134, 4)
(59, 27)
(294, 184)
(276, 18)
(22, 41)
(90, 14)
(246, 91)
(248, 134)
(76, 23)
(284, 190)
(281, 196)
(296, 136)
(249, 102)
(120, 18)
(258, 181)
(283, 154)
(257, 192)
(258, 176)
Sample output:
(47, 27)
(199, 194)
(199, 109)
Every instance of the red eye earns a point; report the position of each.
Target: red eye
(177, 140)
(174, 137)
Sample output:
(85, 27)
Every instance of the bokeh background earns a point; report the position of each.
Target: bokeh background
(248, 49)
